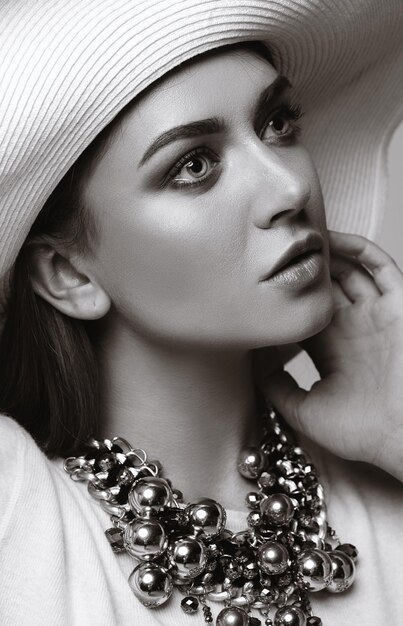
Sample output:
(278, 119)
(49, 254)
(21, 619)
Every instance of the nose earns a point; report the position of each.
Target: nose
(282, 191)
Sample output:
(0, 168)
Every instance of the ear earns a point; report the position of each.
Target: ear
(57, 279)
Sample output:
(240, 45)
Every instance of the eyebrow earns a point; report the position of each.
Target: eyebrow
(214, 125)
(272, 92)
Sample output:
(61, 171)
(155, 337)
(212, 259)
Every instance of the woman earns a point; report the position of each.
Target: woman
(186, 233)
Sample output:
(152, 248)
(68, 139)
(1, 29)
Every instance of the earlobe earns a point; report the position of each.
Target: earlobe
(56, 279)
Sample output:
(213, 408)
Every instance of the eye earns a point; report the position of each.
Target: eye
(281, 125)
(193, 168)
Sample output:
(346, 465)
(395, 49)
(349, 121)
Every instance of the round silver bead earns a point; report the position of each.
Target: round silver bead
(273, 557)
(277, 508)
(290, 616)
(149, 493)
(151, 584)
(145, 539)
(189, 557)
(251, 463)
(315, 568)
(343, 571)
(232, 616)
(206, 516)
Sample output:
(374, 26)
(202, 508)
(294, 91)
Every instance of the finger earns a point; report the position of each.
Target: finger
(339, 297)
(283, 392)
(354, 280)
(386, 273)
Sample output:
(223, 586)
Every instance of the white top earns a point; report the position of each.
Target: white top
(57, 567)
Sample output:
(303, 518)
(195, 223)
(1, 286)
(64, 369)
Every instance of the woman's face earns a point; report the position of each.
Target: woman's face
(202, 193)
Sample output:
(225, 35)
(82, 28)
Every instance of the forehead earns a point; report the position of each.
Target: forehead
(209, 86)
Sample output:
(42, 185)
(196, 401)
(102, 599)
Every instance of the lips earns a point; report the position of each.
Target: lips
(296, 252)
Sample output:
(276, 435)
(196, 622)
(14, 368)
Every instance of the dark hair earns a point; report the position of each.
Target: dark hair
(48, 368)
(48, 371)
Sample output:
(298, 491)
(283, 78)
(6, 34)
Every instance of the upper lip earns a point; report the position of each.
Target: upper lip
(311, 243)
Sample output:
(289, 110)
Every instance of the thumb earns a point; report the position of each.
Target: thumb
(284, 393)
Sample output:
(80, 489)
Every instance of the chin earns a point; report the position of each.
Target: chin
(316, 316)
(297, 320)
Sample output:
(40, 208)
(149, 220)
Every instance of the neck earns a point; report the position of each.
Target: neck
(192, 410)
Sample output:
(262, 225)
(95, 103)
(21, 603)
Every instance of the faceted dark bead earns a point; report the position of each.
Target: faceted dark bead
(253, 499)
(213, 551)
(190, 604)
(105, 462)
(254, 621)
(348, 549)
(124, 476)
(115, 538)
(266, 481)
(250, 570)
(178, 495)
(254, 519)
(284, 580)
(314, 621)
(173, 520)
(211, 566)
(208, 617)
(232, 570)
(244, 554)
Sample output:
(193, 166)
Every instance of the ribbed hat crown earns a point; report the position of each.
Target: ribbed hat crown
(67, 67)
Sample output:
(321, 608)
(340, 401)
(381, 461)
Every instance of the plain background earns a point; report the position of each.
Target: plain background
(391, 237)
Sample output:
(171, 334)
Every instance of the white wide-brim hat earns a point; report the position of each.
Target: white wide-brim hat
(67, 67)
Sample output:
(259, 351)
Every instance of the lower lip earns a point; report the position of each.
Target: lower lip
(299, 274)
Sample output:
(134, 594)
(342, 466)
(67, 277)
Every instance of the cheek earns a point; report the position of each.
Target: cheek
(171, 257)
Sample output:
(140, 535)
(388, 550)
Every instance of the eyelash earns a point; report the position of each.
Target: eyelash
(201, 150)
(292, 111)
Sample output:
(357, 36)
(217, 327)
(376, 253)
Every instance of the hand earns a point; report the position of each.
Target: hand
(356, 409)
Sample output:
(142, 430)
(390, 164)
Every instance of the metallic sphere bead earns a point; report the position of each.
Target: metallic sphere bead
(251, 463)
(277, 508)
(348, 549)
(315, 568)
(149, 493)
(290, 616)
(145, 539)
(273, 557)
(232, 616)
(206, 516)
(188, 555)
(343, 571)
(151, 584)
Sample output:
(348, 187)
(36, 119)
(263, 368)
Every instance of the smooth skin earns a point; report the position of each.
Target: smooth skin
(355, 410)
(175, 273)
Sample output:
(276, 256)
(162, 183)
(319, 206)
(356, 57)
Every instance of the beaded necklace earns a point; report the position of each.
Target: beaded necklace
(287, 550)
